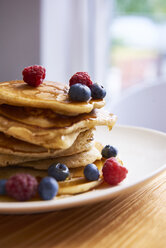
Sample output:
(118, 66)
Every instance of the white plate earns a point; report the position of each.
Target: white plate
(143, 152)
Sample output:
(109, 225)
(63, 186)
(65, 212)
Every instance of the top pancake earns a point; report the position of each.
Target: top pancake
(49, 95)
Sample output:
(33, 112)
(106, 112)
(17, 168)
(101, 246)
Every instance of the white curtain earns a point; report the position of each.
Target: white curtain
(75, 37)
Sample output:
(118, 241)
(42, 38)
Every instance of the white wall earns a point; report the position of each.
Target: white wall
(19, 36)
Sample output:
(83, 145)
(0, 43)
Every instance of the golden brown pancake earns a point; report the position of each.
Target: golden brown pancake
(6, 159)
(56, 138)
(73, 161)
(6, 172)
(15, 147)
(75, 184)
(49, 95)
(43, 118)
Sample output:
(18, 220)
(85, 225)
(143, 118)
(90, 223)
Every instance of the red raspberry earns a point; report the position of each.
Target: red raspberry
(34, 75)
(80, 78)
(21, 186)
(113, 172)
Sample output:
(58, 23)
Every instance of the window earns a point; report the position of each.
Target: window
(138, 43)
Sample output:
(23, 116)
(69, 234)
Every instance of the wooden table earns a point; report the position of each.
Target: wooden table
(132, 220)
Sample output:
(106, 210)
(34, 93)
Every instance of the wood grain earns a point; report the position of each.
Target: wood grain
(131, 220)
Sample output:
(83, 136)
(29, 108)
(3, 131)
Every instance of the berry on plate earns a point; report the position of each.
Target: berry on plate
(34, 75)
(2, 186)
(21, 186)
(113, 172)
(81, 78)
(91, 172)
(109, 151)
(97, 91)
(59, 171)
(79, 93)
(48, 188)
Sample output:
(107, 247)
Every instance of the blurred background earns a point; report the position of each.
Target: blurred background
(138, 42)
(120, 43)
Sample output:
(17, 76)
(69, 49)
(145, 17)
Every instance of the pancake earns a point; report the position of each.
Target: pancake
(49, 95)
(74, 185)
(77, 186)
(12, 146)
(6, 159)
(6, 172)
(55, 138)
(44, 118)
(73, 161)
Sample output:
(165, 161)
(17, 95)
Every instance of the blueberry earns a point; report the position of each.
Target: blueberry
(48, 188)
(2, 186)
(109, 151)
(79, 93)
(97, 91)
(91, 172)
(59, 171)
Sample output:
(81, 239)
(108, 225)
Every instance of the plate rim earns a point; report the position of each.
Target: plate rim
(78, 200)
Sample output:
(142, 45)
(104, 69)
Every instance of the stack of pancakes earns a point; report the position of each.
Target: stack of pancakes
(41, 126)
